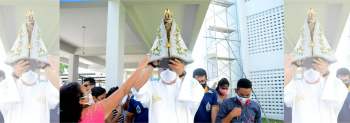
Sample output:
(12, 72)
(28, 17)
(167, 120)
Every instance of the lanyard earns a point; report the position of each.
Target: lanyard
(244, 113)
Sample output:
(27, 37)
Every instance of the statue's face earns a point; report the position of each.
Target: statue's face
(312, 17)
(30, 19)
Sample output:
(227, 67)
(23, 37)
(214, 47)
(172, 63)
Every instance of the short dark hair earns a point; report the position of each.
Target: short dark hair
(111, 91)
(244, 83)
(200, 72)
(343, 71)
(222, 82)
(97, 91)
(2, 74)
(91, 80)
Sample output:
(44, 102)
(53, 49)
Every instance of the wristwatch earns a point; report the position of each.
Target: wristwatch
(14, 75)
(183, 74)
(44, 66)
(326, 74)
(296, 64)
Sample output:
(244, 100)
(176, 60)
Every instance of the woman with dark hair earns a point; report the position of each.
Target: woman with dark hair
(222, 89)
(75, 106)
(98, 94)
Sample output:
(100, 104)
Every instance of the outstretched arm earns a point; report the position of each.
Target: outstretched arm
(112, 101)
(144, 76)
(52, 72)
(289, 72)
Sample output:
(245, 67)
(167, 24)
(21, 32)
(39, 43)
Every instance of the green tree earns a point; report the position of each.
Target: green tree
(62, 67)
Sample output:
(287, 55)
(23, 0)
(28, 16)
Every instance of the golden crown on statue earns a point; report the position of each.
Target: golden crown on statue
(311, 11)
(30, 13)
(168, 11)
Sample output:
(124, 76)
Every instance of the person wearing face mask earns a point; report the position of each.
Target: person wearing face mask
(317, 98)
(175, 98)
(344, 75)
(240, 108)
(222, 89)
(29, 100)
(76, 107)
(209, 107)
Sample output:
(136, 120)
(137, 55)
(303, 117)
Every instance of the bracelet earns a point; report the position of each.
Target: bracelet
(296, 64)
(154, 66)
(44, 66)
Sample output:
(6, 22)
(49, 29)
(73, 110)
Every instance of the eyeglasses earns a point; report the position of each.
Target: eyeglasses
(87, 85)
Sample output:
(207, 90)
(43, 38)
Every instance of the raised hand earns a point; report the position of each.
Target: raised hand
(320, 65)
(143, 63)
(288, 61)
(21, 67)
(177, 66)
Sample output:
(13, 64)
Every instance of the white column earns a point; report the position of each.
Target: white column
(244, 37)
(115, 44)
(73, 68)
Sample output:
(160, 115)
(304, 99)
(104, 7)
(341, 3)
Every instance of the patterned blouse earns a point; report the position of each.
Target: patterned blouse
(121, 117)
(93, 114)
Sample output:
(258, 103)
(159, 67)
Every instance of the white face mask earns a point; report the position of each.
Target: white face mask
(30, 77)
(168, 76)
(311, 75)
(242, 100)
(91, 100)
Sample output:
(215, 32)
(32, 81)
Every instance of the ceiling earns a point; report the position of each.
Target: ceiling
(46, 14)
(142, 21)
(332, 14)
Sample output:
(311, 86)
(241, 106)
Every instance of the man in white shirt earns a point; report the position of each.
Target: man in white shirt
(23, 99)
(319, 97)
(176, 97)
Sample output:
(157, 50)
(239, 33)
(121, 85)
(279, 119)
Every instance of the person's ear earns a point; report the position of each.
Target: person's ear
(94, 98)
(236, 91)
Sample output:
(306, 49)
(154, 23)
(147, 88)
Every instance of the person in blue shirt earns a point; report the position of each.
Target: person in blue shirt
(136, 111)
(344, 114)
(209, 106)
(240, 108)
